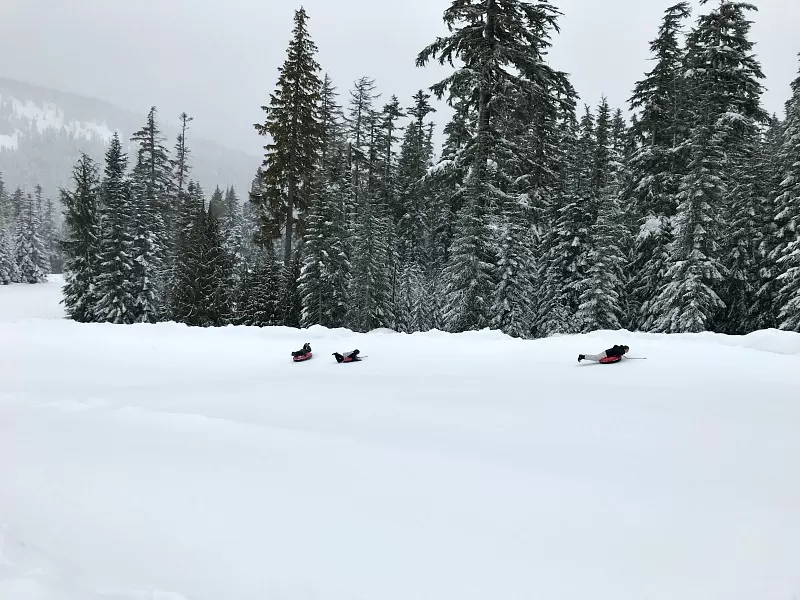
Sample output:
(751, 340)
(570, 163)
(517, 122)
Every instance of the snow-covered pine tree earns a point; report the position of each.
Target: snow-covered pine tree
(17, 200)
(514, 297)
(785, 250)
(154, 215)
(744, 238)
(502, 45)
(180, 163)
(45, 225)
(231, 231)
(253, 243)
(601, 292)
(688, 301)
(29, 248)
(569, 243)
(620, 179)
(114, 288)
(82, 241)
(724, 95)
(292, 123)
(444, 184)
(259, 294)
(367, 219)
(370, 297)
(181, 169)
(324, 278)
(415, 221)
(203, 294)
(5, 202)
(415, 158)
(187, 238)
(217, 205)
(388, 187)
(8, 265)
(658, 161)
(767, 173)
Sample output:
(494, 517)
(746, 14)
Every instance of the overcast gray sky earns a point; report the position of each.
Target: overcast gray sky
(217, 59)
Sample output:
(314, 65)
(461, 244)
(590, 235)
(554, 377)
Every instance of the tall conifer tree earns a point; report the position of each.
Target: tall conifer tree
(115, 267)
(82, 241)
(292, 124)
(502, 45)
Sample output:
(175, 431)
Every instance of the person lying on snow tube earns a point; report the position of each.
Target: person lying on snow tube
(351, 356)
(303, 354)
(613, 354)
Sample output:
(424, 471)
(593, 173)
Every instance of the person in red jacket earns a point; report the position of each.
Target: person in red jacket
(615, 351)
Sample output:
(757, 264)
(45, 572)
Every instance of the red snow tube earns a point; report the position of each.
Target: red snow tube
(301, 357)
(610, 359)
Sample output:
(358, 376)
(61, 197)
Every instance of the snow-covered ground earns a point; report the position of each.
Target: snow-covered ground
(169, 463)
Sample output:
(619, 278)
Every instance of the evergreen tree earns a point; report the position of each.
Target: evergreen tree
(601, 292)
(725, 107)
(370, 294)
(203, 295)
(29, 251)
(8, 265)
(114, 289)
(180, 164)
(231, 230)
(259, 294)
(292, 123)
(154, 216)
(81, 242)
(768, 176)
(17, 201)
(658, 161)
(252, 242)
(601, 299)
(514, 297)
(217, 204)
(5, 202)
(368, 218)
(743, 240)
(570, 242)
(45, 227)
(502, 45)
(785, 251)
(181, 170)
(324, 278)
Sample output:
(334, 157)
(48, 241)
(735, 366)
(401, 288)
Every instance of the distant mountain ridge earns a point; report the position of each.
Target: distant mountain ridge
(43, 131)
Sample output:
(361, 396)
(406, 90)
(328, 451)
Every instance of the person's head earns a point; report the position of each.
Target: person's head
(625, 349)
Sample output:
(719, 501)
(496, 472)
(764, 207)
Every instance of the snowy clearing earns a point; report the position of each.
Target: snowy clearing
(169, 463)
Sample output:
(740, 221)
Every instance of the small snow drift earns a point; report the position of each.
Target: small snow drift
(175, 463)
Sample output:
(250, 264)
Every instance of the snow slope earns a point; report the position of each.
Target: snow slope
(168, 463)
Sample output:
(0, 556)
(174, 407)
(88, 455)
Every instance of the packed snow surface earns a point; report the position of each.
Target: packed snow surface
(169, 463)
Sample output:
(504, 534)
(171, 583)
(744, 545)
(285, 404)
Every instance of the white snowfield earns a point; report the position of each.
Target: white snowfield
(169, 463)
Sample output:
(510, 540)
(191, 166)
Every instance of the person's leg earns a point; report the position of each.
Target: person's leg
(594, 357)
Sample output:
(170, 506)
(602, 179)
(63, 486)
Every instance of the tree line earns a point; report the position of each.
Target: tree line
(536, 216)
(28, 234)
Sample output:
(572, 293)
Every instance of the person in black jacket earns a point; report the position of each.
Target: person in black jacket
(351, 356)
(306, 349)
(617, 351)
